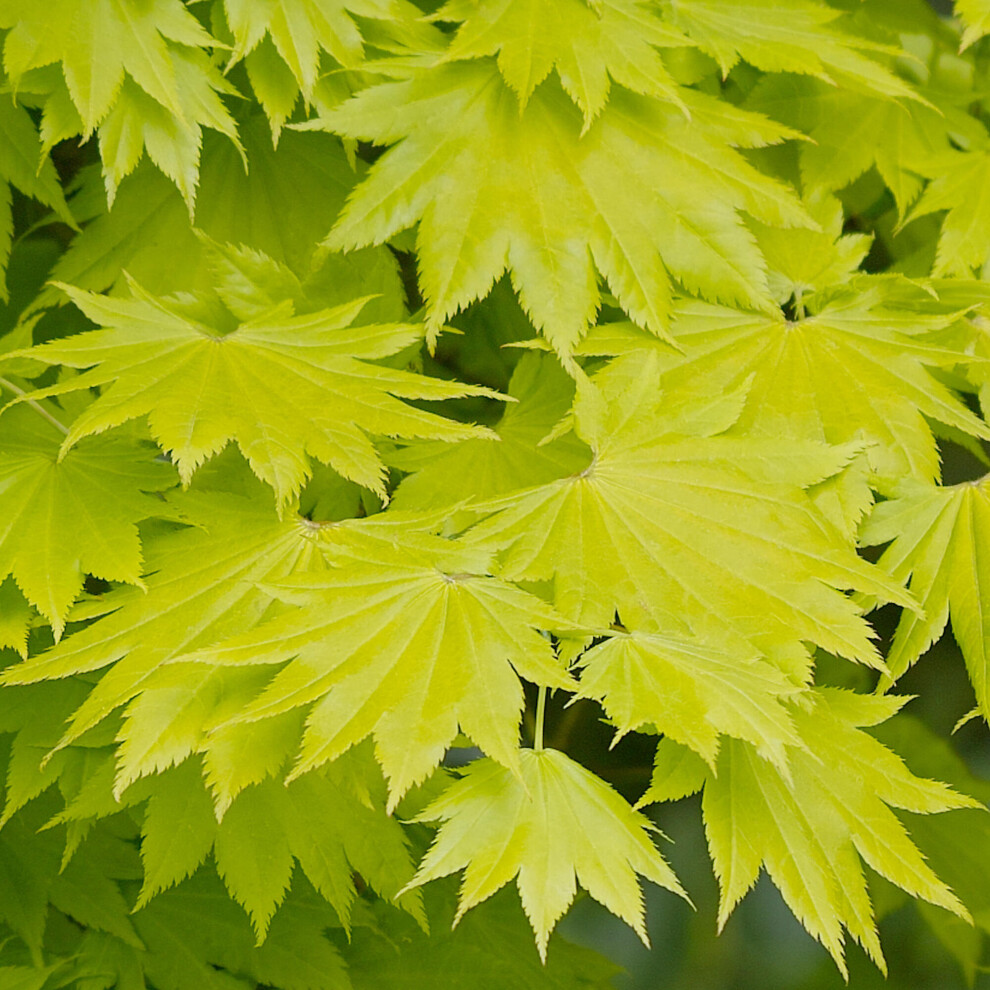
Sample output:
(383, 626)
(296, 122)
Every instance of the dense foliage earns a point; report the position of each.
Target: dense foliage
(402, 404)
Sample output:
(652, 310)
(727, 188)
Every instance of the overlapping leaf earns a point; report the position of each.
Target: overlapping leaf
(137, 72)
(283, 386)
(202, 588)
(283, 205)
(496, 188)
(589, 44)
(691, 693)
(479, 469)
(22, 165)
(858, 369)
(543, 830)
(790, 36)
(941, 541)
(262, 834)
(958, 186)
(811, 828)
(406, 646)
(63, 519)
(976, 14)
(677, 525)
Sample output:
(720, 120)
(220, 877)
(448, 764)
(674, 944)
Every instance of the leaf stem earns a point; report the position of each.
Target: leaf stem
(37, 406)
(541, 710)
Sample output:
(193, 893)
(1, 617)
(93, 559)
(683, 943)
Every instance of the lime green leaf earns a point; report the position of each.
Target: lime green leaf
(682, 530)
(282, 386)
(137, 123)
(858, 369)
(793, 36)
(97, 42)
(941, 540)
(496, 188)
(282, 206)
(480, 469)
(811, 828)
(313, 821)
(690, 692)
(852, 131)
(976, 14)
(22, 165)
(202, 588)
(65, 518)
(589, 44)
(15, 617)
(423, 615)
(178, 829)
(545, 830)
(959, 186)
(490, 949)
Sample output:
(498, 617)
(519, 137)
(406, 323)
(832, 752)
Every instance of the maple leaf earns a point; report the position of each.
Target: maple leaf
(22, 165)
(97, 42)
(589, 44)
(137, 73)
(405, 646)
(300, 29)
(939, 538)
(494, 187)
(283, 386)
(202, 587)
(689, 692)
(852, 131)
(976, 14)
(694, 532)
(811, 827)
(794, 36)
(543, 829)
(479, 469)
(957, 186)
(857, 368)
(63, 519)
(283, 205)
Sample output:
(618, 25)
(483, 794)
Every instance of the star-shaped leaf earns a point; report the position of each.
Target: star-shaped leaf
(690, 692)
(811, 828)
(494, 187)
(547, 830)
(941, 541)
(790, 36)
(856, 369)
(202, 587)
(65, 518)
(589, 44)
(672, 525)
(283, 386)
(406, 647)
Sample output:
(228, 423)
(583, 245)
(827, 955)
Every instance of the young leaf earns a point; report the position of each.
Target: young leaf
(406, 648)
(811, 828)
(496, 187)
(282, 386)
(941, 541)
(856, 369)
(64, 518)
(557, 825)
(674, 528)
(691, 693)
(589, 44)
(202, 588)
(793, 37)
